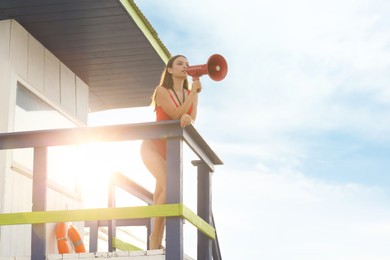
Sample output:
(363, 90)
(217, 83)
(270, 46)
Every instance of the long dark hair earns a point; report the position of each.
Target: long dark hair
(166, 77)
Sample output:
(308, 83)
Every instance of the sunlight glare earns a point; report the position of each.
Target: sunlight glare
(102, 160)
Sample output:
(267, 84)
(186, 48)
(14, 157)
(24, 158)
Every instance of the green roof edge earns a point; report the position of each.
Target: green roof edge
(147, 29)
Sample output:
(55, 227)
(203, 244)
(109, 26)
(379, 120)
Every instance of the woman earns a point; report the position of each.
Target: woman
(173, 101)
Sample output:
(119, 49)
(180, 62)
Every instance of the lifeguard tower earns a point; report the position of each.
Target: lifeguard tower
(60, 60)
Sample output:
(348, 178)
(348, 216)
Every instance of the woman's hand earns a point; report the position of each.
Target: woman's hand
(196, 86)
(185, 120)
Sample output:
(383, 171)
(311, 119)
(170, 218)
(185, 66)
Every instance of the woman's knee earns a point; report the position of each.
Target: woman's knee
(160, 195)
(146, 148)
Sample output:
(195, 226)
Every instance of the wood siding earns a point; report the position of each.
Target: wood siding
(32, 62)
(23, 57)
(98, 40)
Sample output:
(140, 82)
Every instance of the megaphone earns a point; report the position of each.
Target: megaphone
(216, 67)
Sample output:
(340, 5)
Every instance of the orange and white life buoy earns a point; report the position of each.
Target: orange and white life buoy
(75, 237)
(62, 241)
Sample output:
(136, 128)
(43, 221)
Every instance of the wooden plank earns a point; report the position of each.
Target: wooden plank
(41, 217)
(174, 194)
(125, 49)
(79, 30)
(138, 212)
(197, 145)
(5, 98)
(204, 209)
(19, 47)
(113, 54)
(52, 77)
(124, 246)
(113, 66)
(96, 30)
(35, 64)
(5, 32)
(145, 27)
(122, 181)
(40, 3)
(82, 100)
(112, 133)
(39, 195)
(68, 89)
(198, 222)
(73, 23)
(57, 12)
(110, 58)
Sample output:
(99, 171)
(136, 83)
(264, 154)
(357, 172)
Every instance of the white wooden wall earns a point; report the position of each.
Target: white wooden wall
(31, 61)
(23, 58)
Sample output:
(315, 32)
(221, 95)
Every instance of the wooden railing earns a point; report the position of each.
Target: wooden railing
(174, 210)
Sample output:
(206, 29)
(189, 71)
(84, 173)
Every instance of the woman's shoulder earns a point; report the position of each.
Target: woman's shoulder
(162, 90)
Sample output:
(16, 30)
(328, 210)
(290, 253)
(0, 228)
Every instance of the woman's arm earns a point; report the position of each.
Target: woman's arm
(164, 100)
(187, 119)
(194, 108)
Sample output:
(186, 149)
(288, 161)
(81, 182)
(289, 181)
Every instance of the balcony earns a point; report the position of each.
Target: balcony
(174, 211)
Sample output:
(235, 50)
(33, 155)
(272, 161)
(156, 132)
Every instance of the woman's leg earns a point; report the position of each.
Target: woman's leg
(159, 223)
(157, 166)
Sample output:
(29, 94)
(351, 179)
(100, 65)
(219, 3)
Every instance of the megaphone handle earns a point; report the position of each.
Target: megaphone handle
(195, 78)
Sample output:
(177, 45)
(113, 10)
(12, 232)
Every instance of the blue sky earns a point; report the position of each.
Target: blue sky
(301, 122)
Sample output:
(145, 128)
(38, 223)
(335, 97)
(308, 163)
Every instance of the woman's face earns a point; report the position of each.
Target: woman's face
(179, 67)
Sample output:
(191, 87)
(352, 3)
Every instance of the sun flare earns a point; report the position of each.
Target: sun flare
(100, 161)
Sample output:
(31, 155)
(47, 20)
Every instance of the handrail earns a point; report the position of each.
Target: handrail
(125, 183)
(171, 130)
(69, 136)
(111, 133)
(216, 249)
(120, 180)
(55, 216)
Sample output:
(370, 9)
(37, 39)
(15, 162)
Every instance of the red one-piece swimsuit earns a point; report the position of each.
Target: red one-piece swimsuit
(161, 143)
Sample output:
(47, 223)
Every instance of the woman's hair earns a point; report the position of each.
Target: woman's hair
(166, 77)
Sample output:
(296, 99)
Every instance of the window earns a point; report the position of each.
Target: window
(33, 113)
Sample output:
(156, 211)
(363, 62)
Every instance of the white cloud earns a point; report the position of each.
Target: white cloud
(292, 65)
(298, 71)
(285, 215)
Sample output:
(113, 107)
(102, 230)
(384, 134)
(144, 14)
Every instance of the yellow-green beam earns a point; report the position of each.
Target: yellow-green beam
(166, 210)
(198, 222)
(40, 217)
(124, 246)
(147, 29)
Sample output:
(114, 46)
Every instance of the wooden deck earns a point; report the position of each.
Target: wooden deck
(130, 255)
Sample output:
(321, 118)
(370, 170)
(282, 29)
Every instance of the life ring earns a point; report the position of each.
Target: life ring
(62, 241)
(75, 237)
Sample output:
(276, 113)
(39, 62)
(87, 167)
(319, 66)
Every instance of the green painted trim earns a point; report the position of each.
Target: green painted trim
(124, 246)
(166, 210)
(198, 222)
(40, 217)
(146, 28)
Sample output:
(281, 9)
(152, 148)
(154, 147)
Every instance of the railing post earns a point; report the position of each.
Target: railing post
(204, 209)
(174, 194)
(93, 236)
(39, 192)
(148, 231)
(111, 223)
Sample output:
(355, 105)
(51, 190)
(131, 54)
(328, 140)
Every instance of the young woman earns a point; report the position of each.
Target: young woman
(173, 101)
